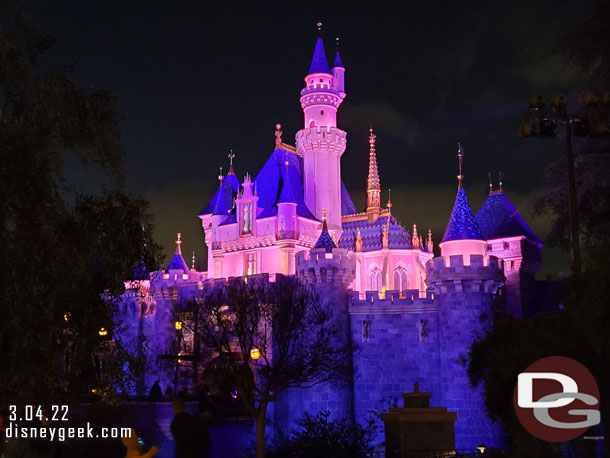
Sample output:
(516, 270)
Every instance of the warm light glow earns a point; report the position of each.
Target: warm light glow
(179, 361)
(255, 354)
(178, 325)
(66, 316)
(185, 276)
(481, 448)
(103, 332)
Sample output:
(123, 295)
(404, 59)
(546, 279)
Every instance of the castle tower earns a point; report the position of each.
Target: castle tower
(464, 281)
(373, 184)
(511, 239)
(462, 236)
(320, 142)
(464, 294)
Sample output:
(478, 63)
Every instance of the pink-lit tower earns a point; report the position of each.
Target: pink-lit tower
(320, 142)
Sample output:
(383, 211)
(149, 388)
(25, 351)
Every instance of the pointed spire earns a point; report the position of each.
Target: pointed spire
(319, 62)
(338, 62)
(491, 186)
(178, 243)
(373, 187)
(415, 238)
(385, 236)
(278, 136)
(324, 225)
(429, 242)
(287, 195)
(501, 190)
(389, 201)
(220, 177)
(231, 156)
(460, 177)
(462, 223)
(193, 262)
(325, 240)
(177, 262)
(358, 241)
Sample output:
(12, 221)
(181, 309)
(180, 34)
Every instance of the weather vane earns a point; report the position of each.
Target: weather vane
(231, 156)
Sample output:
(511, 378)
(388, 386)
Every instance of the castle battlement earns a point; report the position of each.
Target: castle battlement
(392, 301)
(339, 266)
(482, 273)
(321, 138)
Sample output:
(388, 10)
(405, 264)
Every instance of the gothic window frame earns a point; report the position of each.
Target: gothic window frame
(247, 218)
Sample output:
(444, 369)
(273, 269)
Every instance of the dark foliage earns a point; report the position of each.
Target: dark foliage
(318, 437)
(60, 251)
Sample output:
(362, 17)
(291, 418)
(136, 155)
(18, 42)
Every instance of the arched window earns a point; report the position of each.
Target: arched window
(400, 279)
(247, 217)
(375, 282)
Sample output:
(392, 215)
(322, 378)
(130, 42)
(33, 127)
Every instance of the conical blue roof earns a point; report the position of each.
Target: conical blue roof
(325, 240)
(319, 62)
(462, 223)
(287, 195)
(338, 62)
(177, 263)
(498, 218)
(228, 187)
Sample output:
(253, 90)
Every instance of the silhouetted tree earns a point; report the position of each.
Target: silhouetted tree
(265, 337)
(59, 250)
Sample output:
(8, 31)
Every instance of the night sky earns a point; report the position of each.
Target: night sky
(196, 79)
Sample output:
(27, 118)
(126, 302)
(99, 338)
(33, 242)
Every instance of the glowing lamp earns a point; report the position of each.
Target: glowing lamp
(558, 101)
(178, 325)
(589, 98)
(179, 361)
(535, 102)
(103, 332)
(481, 448)
(527, 129)
(66, 317)
(255, 354)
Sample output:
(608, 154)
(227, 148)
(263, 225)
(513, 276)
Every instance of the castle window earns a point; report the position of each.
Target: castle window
(250, 263)
(375, 280)
(506, 245)
(321, 80)
(400, 280)
(312, 124)
(322, 112)
(247, 218)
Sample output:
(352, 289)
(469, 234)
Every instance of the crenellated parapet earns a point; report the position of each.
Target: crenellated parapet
(321, 139)
(339, 266)
(483, 274)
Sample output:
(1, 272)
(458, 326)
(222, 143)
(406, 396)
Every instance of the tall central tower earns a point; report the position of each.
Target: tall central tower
(320, 142)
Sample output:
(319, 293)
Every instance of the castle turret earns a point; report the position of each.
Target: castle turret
(462, 236)
(320, 142)
(338, 74)
(464, 293)
(177, 265)
(511, 239)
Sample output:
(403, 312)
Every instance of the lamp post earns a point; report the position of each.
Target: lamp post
(594, 121)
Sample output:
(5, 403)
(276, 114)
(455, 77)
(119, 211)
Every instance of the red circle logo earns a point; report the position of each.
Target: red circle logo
(556, 399)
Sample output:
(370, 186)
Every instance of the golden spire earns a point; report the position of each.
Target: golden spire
(491, 186)
(193, 262)
(220, 177)
(178, 243)
(278, 136)
(231, 156)
(501, 190)
(460, 177)
(389, 201)
(373, 184)
(415, 237)
(429, 243)
(324, 225)
(358, 241)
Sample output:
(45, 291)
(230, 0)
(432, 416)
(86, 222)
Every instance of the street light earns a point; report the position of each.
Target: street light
(593, 121)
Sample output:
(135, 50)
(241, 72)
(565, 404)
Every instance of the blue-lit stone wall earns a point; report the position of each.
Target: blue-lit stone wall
(397, 344)
(465, 310)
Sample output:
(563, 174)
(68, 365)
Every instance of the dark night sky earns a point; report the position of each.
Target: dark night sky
(196, 79)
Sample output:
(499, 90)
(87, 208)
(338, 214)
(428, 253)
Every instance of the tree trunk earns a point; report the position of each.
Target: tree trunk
(260, 429)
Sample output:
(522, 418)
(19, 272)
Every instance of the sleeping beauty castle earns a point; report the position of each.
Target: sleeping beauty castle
(411, 315)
